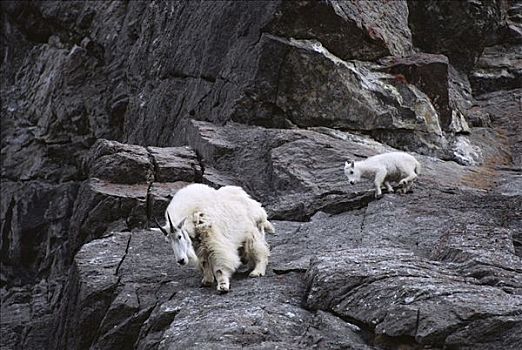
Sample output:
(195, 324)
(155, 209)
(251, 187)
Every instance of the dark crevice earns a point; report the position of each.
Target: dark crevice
(155, 171)
(262, 33)
(198, 175)
(35, 27)
(177, 120)
(363, 221)
(138, 299)
(367, 331)
(192, 112)
(124, 256)
(149, 204)
(359, 201)
(182, 75)
(302, 338)
(149, 328)
(155, 166)
(279, 76)
(172, 295)
(417, 322)
(6, 232)
(108, 296)
(149, 198)
(289, 270)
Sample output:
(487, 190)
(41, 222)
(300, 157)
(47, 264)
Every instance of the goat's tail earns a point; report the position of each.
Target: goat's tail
(418, 167)
(266, 226)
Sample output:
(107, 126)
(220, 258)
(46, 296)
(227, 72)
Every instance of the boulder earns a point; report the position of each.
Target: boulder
(499, 68)
(363, 30)
(316, 88)
(426, 304)
(503, 109)
(458, 29)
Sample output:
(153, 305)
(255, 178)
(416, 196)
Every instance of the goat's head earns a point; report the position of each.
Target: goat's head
(180, 241)
(352, 172)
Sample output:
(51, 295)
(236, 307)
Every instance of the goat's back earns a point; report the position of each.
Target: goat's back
(189, 199)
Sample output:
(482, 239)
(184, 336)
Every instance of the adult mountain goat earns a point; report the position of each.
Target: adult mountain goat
(383, 168)
(236, 222)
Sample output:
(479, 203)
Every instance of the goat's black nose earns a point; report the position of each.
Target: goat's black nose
(181, 261)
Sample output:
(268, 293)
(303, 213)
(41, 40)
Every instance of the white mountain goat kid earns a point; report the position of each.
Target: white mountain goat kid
(383, 168)
(239, 222)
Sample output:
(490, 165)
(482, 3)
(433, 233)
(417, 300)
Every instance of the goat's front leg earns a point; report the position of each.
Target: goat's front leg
(223, 279)
(208, 274)
(406, 187)
(407, 182)
(379, 179)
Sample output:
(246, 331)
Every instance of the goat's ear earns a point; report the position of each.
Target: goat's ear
(352, 164)
(180, 225)
(346, 165)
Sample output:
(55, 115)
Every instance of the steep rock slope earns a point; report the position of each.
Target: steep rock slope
(108, 108)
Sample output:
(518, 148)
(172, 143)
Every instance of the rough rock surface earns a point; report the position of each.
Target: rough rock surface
(500, 65)
(108, 108)
(457, 29)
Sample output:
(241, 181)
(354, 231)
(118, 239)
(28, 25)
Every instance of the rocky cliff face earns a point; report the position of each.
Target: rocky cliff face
(108, 108)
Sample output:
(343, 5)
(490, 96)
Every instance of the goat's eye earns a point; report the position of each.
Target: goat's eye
(179, 236)
(351, 172)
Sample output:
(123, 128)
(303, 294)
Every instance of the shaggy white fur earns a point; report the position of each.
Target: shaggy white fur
(218, 252)
(383, 168)
(255, 209)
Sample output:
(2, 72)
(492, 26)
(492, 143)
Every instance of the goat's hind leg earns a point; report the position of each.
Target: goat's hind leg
(259, 254)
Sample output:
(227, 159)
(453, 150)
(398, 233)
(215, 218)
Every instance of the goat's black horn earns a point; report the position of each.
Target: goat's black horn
(161, 228)
(172, 229)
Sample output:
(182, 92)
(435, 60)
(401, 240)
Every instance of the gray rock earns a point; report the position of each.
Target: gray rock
(29, 208)
(120, 163)
(316, 88)
(175, 163)
(503, 107)
(429, 73)
(363, 30)
(425, 303)
(499, 67)
(124, 288)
